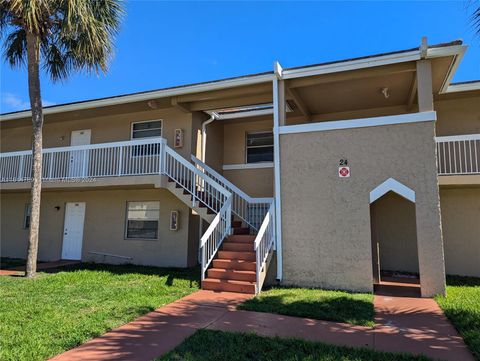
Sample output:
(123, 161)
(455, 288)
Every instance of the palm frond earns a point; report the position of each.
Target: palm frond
(15, 48)
(74, 34)
(476, 19)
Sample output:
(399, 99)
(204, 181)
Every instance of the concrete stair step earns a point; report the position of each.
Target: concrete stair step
(215, 284)
(235, 264)
(237, 246)
(247, 256)
(240, 238)
(230, 274)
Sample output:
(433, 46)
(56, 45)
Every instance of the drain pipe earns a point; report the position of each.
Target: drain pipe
(213, 117)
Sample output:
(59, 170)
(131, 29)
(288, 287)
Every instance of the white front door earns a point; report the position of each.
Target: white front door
(73, 230)
(78, 158)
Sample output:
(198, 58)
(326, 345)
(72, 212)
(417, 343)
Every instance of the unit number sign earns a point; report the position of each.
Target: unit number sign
(343, 168)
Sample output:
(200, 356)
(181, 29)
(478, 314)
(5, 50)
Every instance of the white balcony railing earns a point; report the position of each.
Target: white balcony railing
(458, 155)
(136, 157)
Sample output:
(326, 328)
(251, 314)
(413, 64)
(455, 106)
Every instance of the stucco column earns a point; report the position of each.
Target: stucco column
(431, 260)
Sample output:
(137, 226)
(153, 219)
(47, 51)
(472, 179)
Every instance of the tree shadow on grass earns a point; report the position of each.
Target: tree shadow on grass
(339, 309)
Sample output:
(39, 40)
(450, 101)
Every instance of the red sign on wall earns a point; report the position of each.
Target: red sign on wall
(344, 172)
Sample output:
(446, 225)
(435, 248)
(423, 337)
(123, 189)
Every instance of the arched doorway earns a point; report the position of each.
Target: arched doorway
(394, 239)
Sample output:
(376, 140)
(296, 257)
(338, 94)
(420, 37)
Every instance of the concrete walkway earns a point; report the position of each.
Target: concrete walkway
(411, 325)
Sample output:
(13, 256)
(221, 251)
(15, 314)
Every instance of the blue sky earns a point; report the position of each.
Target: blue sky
(165, 44)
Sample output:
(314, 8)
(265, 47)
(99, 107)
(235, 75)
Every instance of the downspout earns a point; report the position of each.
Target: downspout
(213, 117)
(277, 108)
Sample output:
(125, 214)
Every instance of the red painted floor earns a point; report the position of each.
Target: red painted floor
(413, 325)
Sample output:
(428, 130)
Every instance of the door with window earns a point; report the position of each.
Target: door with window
(73, 230)
(78, 166)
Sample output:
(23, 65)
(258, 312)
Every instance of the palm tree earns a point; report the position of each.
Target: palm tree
(61, 36)
(476, 19)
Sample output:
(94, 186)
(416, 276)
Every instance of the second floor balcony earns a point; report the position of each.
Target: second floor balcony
(456, 156)
(118, 159)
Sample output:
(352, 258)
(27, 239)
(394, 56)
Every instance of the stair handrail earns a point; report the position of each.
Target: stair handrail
(218, 230)
(263, 245)
(250, 210)
(199, 185)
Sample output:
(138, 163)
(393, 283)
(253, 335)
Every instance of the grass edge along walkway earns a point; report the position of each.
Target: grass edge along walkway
(320, 304)
(207, 345)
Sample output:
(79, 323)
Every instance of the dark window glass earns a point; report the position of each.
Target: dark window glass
(28, 211)
(142, 220)
(259, 147)
(142, 229)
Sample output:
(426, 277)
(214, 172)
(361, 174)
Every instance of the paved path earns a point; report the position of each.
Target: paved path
(411, 325)
(20, 270)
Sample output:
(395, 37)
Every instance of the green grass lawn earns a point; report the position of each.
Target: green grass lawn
(354, 308)
(206, 345)
(462, 307)
(57, 311)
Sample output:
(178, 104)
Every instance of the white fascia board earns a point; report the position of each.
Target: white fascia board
(352, 65)
(457, 51)
(359, 123)
(229, 83)
(392, 185)
(247, 166)
(456, 88)
(253, 113)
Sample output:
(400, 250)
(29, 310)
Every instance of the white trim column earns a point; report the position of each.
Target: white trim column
(278, 120)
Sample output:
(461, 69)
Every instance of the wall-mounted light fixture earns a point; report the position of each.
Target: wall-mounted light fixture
(57, 208)
(386, 92)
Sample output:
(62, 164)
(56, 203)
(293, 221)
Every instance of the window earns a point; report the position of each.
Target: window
(142, 220)
(147, 129)
(259, 147)
(26, 218)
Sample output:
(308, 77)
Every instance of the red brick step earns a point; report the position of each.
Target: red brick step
(237, 246)
(229, 274)
(215, 284)
(236, 264)
(247, 256)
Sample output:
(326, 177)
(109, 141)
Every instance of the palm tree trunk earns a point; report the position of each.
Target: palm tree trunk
(33, 55)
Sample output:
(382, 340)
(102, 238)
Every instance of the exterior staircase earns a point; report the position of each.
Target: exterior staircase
(186, 197)
(234, 266)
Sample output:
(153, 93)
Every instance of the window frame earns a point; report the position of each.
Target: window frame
(137, 148)
(258, 146)
(28, 206)
(146, 121)
(125, 235)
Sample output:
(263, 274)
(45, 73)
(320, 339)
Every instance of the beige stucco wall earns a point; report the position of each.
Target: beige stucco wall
(461, 230)
(458, 116)
(235, 137)
(396, 231)
(215, 143)
(110, 128)
(254, 182)
(104, 227)
(326, 220)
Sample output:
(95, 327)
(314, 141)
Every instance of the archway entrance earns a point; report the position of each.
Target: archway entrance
(394, 240)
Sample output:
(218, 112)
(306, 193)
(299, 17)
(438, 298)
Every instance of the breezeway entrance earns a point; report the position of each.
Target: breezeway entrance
(394, 239)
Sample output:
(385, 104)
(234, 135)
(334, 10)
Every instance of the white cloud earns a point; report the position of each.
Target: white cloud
(11, 102)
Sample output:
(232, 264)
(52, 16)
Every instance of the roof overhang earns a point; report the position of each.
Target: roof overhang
(464, 87)
(456, 50)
